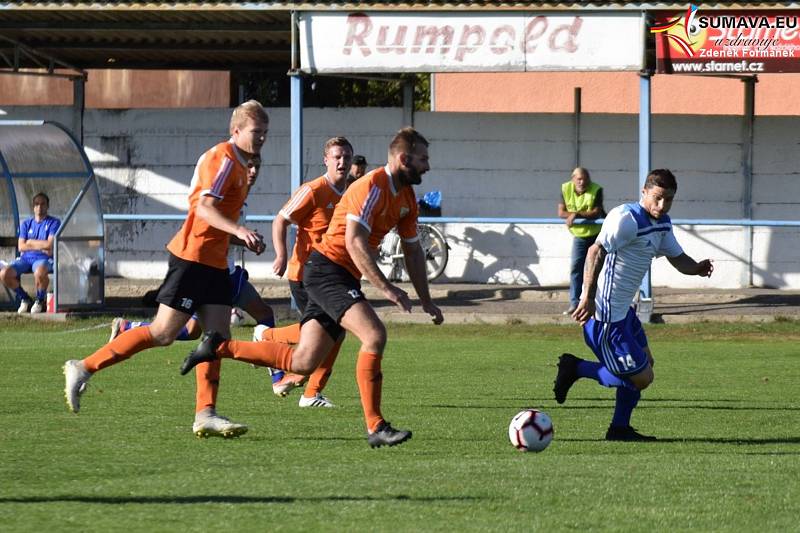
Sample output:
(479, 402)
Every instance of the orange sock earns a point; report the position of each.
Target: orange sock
(207, 384)
(287, 335)
(318, 380)
(123, 347)
(370, 382)
(264, 353)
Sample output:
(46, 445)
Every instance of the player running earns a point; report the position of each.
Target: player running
(371, 207)
(197, 279)
(631, 236)
(310, 208)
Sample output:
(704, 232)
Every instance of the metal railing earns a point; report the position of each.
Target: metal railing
(488, 220)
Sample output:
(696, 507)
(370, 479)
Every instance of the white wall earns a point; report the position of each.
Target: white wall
(487, 165)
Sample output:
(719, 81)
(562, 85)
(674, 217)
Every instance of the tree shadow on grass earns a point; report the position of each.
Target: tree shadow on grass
(230, 499)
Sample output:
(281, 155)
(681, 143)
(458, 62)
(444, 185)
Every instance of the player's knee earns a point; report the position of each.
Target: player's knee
(374, 339)
(7, 274)
(161, 338)
(304, 361)
(643, 379)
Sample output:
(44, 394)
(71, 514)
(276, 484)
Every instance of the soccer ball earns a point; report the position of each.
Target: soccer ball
(530, 430)
(237, 317)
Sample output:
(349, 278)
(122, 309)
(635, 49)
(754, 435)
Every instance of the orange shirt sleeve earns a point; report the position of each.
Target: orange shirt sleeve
(299, 206)
(216, 175)
(364, 204)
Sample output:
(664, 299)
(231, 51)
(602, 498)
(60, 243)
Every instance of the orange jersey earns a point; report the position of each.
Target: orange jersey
(221, 172)
(310, 209)
(373, 202)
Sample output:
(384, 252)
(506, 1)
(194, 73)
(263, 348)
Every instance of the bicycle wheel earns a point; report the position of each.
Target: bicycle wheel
(436, 250)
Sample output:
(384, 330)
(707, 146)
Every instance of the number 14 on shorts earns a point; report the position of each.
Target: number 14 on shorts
(626, 361)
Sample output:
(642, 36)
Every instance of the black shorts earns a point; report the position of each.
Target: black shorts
(332, 290)
(300, 295)
(189, 285)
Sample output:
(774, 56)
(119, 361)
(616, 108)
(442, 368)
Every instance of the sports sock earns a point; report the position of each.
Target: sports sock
(122, 347)
(319, 378)
(41, 295)
(207, 385)
(183, 335)
(276, 374)
(599, 373)
(269, 322)
(21, 294)
(370, 383)
(626, 402)
(264, 353)
(287, 335)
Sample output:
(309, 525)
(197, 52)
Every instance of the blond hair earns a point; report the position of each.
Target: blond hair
(336, 141)
(252, 109)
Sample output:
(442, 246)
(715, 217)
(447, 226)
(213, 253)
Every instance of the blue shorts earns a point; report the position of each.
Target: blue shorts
(24, 266)
(618, 345)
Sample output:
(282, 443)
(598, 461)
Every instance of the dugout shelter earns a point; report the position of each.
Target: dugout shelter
(39, 156)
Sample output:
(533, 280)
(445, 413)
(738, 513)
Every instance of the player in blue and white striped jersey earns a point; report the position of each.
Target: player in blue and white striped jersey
(631, 236)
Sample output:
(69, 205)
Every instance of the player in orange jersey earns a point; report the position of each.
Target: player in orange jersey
(197, 279)
(310, 209)
(372, 206)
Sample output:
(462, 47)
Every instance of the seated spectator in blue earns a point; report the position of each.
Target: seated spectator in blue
(35, 245)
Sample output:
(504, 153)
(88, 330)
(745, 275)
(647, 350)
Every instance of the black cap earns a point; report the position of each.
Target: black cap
(359, 160)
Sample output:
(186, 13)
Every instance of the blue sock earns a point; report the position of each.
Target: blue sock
(276, 374)
(623, 409)
(269, 322)
(183, 335)
(599, 373)
(21, 294)
(41, 295)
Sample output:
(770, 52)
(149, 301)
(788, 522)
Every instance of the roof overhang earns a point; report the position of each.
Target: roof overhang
(222, 35)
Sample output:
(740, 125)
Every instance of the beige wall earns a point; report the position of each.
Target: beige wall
(608, 92)
(123, 89)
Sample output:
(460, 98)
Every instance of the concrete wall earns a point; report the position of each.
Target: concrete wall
(610, 92)
(487, 165)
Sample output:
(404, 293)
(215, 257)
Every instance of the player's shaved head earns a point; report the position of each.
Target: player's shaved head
(661, 177)
(252, 110)
(406, 140)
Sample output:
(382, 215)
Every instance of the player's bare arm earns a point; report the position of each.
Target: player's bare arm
(595, 257)
(414, 257)
(30, 245)
(356, 238)
(686, 265)
(280, 226)
(207, 210)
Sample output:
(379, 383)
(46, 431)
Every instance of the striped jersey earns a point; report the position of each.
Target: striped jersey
(221, 172)
(632, 239)
(373, 202)
(310, 208)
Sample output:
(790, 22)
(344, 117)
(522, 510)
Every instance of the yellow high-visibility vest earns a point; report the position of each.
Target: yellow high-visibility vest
(581, 202)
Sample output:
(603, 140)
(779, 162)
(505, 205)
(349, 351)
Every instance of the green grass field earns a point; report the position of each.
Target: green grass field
(724, 404)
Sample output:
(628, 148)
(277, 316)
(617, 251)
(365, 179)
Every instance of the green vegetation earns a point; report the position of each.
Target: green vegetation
(724, 405)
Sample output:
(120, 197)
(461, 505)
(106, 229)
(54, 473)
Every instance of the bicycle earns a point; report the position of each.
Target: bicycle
(434, 244)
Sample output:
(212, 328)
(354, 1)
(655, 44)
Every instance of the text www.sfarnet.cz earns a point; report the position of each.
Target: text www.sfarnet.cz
(714, 66)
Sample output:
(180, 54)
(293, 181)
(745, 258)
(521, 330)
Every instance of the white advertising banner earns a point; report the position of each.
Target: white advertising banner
(469, 42)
